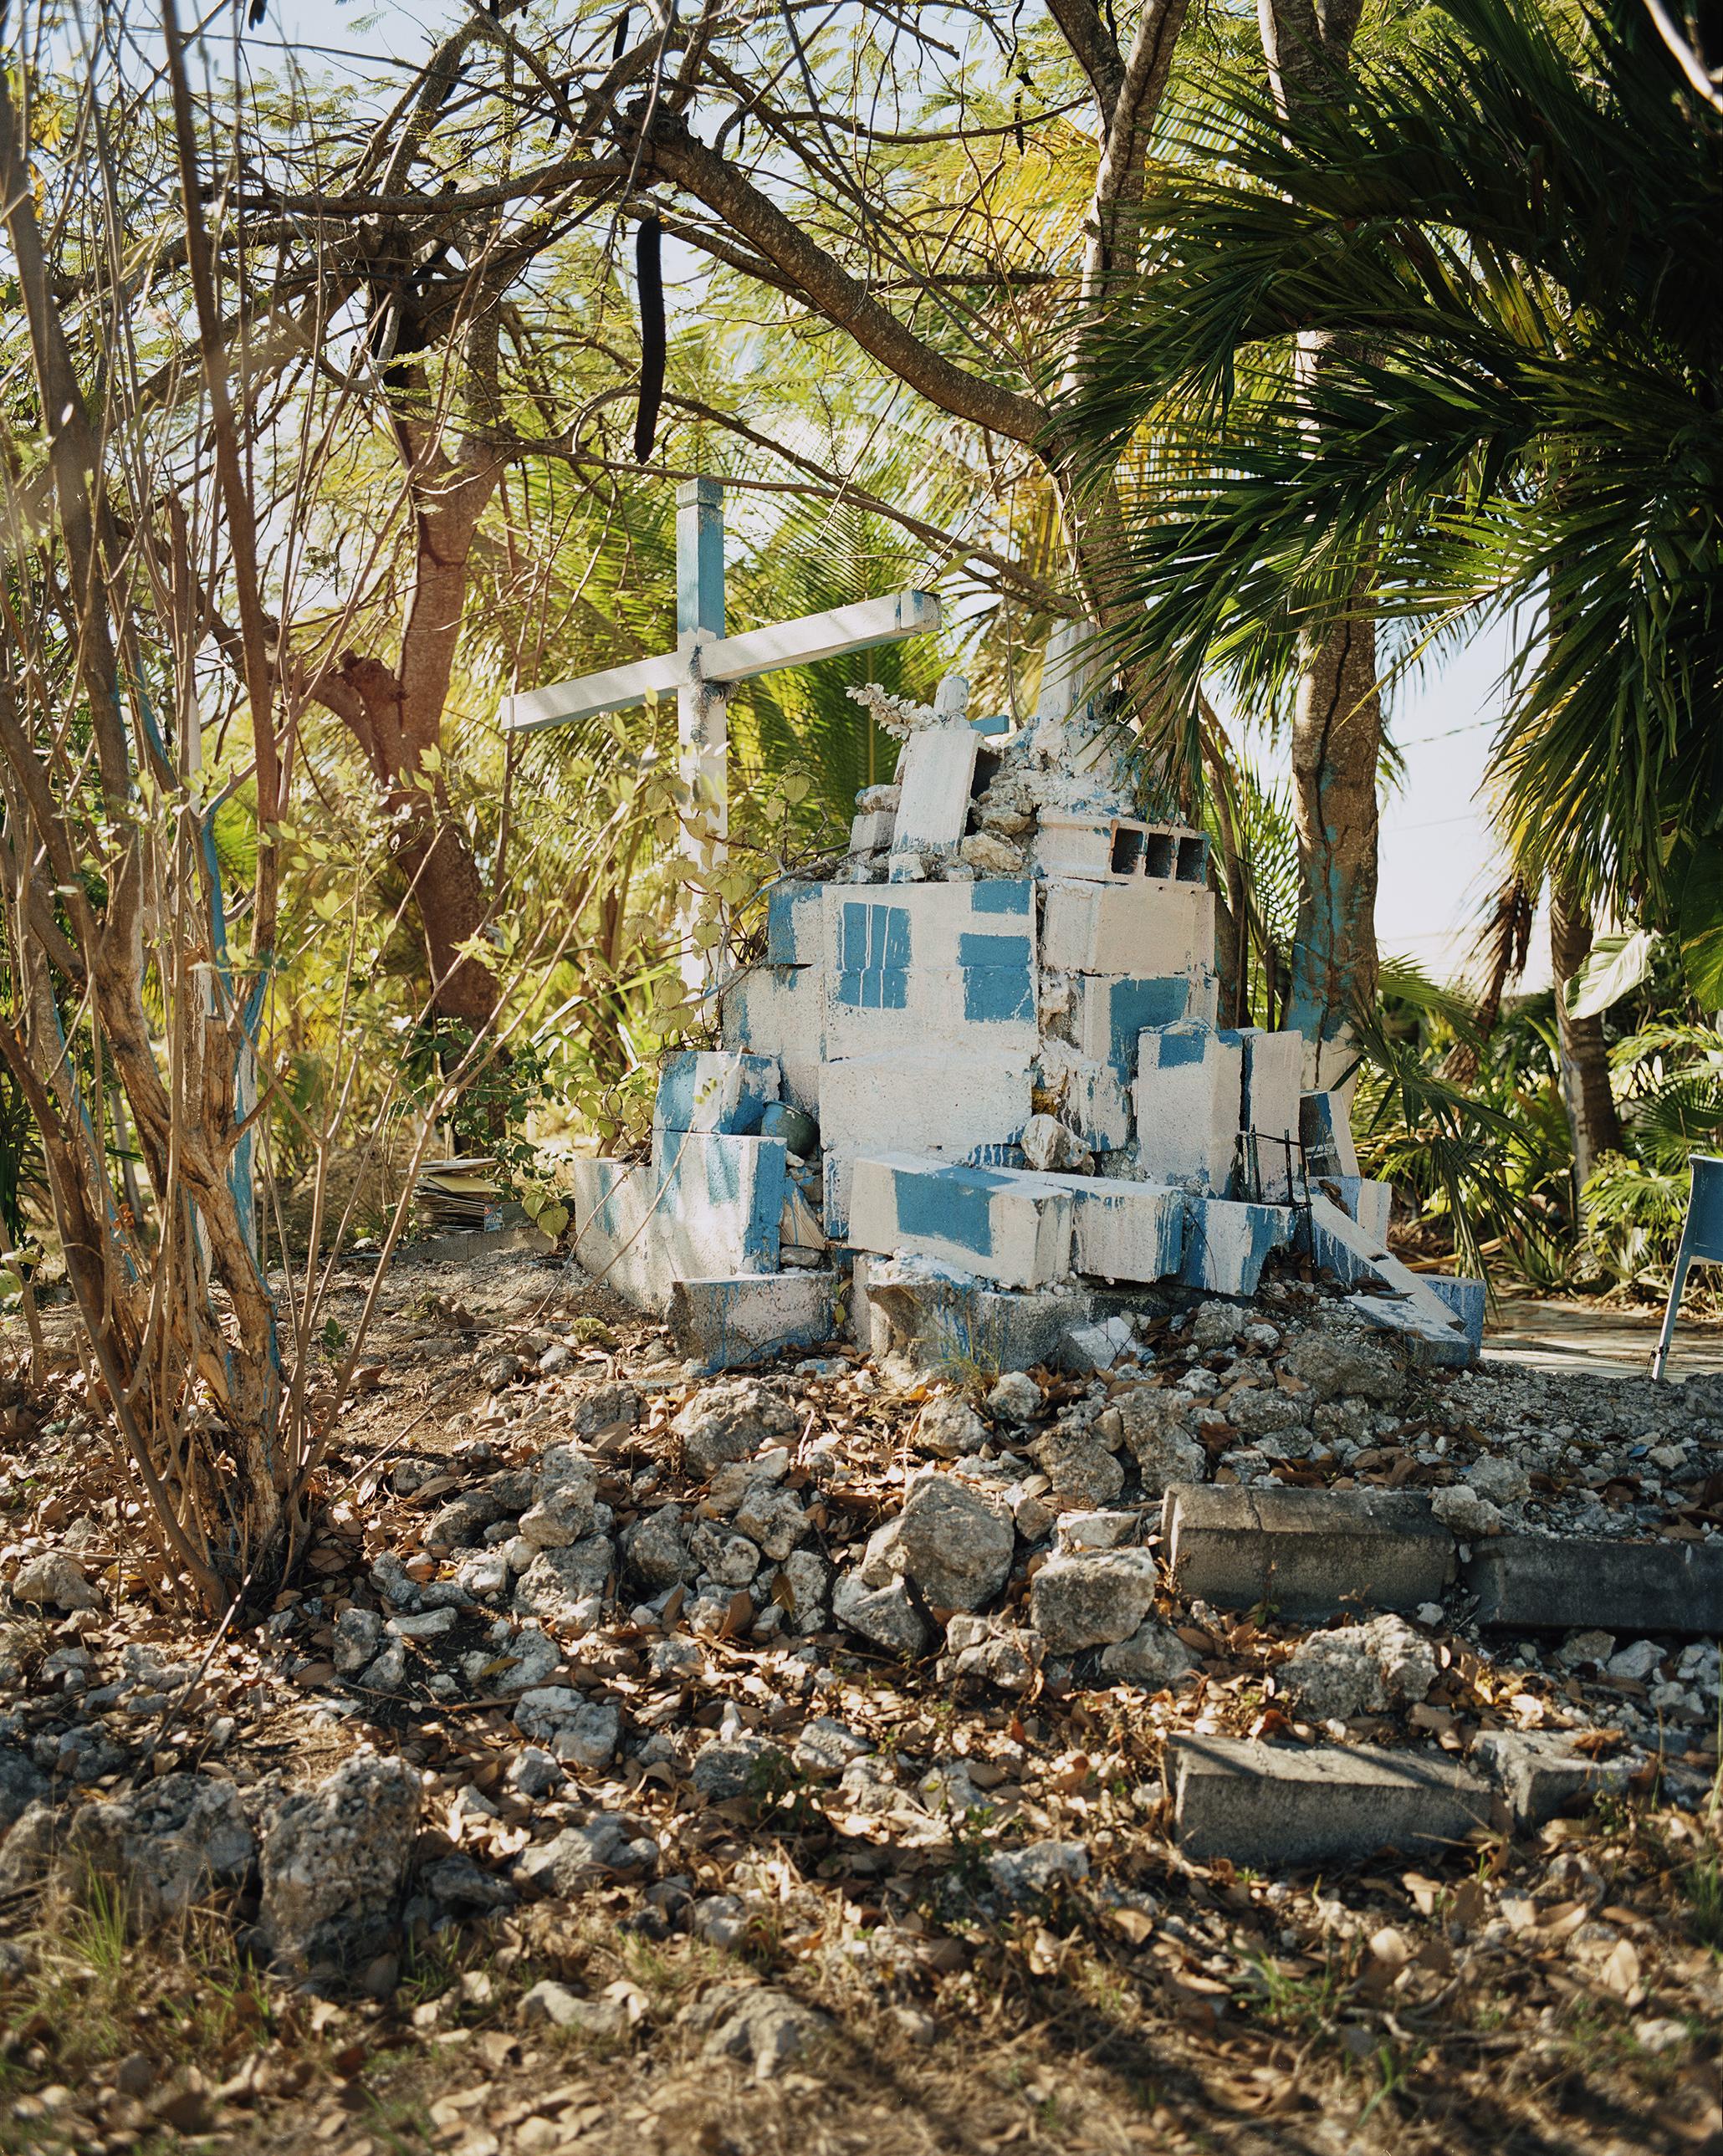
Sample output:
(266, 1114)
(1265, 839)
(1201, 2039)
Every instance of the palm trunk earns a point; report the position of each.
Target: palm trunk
(1337, 735)
(1585, 1056)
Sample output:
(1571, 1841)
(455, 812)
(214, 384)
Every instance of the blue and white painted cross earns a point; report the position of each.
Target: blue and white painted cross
(706, 663)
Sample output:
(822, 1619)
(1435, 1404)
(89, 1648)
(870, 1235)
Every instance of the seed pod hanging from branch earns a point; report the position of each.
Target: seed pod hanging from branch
(649, 276)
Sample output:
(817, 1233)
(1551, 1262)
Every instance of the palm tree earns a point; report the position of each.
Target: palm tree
(1505, 246)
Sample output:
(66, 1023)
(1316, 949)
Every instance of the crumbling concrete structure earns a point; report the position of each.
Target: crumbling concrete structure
(975, 1096)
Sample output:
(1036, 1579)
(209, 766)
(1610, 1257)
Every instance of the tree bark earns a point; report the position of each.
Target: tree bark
(1585, 1057)
(395, 714)
(1337, 732)
(1337, 720)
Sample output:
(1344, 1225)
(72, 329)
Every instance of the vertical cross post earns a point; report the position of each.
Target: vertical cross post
(702, 707)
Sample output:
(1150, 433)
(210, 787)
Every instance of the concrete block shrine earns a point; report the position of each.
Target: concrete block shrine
(975, 1094)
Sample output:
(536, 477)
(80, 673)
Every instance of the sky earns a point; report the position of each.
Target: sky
(1440, 865)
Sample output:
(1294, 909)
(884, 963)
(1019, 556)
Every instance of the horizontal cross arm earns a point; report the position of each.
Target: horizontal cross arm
(561, 702)
(858, 627)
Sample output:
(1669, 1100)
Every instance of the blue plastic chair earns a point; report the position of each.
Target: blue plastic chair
(1701, 1237)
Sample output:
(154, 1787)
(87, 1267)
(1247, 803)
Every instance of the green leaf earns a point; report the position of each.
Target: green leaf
(1615, 967)
(1701, 918)
(552, 1220)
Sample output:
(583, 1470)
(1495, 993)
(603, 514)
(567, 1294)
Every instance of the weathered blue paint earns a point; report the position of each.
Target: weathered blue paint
(1001, 895)
(1011, 951)
(997, 983)
(793, 914)
(1141, 1006)
(952, 1205)
(692, 1084)
(874, 957)
(731, 1324)
(700, 556)
(1466, 1299)
(1005, 1154)
(1180, 1047)
(989, 727)
(1230, 1242)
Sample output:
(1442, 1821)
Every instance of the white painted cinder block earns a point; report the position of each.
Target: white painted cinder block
(1139, 928)
(871, 830)
(1186, 1100)
(916, 1101)
(779, 1011)
(1000, 1225)
(936, 773)
(614, 1229)
(1273, 1071)
(865, 928)
(1123, 1231)
(708, 1203)
(719, 1204)
(1227, 1245)
(914, 964)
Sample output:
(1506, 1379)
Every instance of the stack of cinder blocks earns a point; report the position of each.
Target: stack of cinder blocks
(986, 1108)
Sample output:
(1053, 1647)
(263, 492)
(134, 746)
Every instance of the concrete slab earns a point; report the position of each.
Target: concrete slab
(936, 772)
(1533, 1583)
(1123, 1231)
(1012, 1229)
(937, 1315)
(1338, 1239)
(1539, 1773)
(729, 1323)
(1308, 1553)
(1568, 1339)
(1268, 1804)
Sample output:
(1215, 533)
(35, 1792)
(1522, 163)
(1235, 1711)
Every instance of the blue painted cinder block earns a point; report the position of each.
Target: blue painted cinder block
(1001, 895)
(718, 1202)
(1014, 1228)
(1466, 1299)
(793, 920)
(1111, 1010)
(998, 977)
(1228, 1243)
(702, 1089)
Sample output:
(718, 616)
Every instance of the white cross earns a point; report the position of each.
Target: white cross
(706, 663)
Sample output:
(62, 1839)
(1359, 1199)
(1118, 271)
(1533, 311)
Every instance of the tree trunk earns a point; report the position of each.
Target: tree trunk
(1337, 722)
(1337, 732)
(395, 714)
(1585, 1058)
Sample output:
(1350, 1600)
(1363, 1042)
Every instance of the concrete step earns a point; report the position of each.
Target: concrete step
(730, 1322)
(1271, 1804)
(1309, 1554)
(1533, 1583)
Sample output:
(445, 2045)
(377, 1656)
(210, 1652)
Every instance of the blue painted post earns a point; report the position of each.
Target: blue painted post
(703, 708)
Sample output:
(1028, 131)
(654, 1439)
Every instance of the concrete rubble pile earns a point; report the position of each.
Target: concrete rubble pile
(975, 1100)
